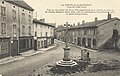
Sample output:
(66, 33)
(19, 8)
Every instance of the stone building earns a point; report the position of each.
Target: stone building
(44, 33)
(16, 28)
(95, 34)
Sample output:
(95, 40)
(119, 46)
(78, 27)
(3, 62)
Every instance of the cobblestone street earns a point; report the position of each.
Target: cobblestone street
(43, 61)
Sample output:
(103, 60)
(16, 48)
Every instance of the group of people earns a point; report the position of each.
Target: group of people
(85, 55)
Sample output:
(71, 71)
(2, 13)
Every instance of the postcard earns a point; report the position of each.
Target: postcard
(59, 38)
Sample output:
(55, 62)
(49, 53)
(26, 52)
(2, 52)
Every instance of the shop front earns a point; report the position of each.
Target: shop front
(26, 43)
(5, 47)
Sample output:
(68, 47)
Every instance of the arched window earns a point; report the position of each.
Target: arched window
(29, 30)
(23, 29)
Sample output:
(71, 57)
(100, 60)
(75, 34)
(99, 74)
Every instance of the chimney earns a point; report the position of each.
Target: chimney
(109, 16)
(73, 24)
(78, 23)
(96, 19)
(83, 22)
(42, 20)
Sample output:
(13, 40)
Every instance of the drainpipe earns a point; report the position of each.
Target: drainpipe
(46, 41)
(35, 41)
(11, 43)
(18, 30)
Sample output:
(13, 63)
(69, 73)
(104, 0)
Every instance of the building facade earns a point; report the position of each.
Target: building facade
(95, 34)
(16, 28)
(44, 32)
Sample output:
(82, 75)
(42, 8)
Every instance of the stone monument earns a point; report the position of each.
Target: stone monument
(66, 60)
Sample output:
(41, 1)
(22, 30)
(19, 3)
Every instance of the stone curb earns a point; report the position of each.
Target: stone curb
(80, 47)
(39, 51)
(83, 48)
(13, 59)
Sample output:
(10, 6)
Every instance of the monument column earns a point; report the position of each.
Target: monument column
(66, 49)
(66, 60)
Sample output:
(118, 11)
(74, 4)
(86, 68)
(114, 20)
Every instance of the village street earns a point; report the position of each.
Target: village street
(26, 66)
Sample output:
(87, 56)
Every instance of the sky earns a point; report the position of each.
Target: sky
(40, 7)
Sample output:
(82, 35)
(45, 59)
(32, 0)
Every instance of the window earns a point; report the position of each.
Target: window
(68, 34)
(46, 33)
(79, 32)
(41, 34)
(14, 29)
(3, 11)
(3, 14)
(75, 40)
(23, 29)
(29, 19)
(94, 32)
(23, 16)
(85, 32)
(14, 14)
(23, 44)
(42, 44)
(3, 28)
(115, 32)
(51, 31)
(45, 43)
(84, 41)
(89, 31)
(94, 42)
(35, 34)
(75, 34)
(29, 30)
(4, 47)
(38, 43)
(36, 25)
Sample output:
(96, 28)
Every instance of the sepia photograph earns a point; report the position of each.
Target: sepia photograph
(59, 37)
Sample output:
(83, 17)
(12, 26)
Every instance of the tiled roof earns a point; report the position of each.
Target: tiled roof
(20, 3)
(90, 24)
(94, 23)
(61, 29)
(40, 22)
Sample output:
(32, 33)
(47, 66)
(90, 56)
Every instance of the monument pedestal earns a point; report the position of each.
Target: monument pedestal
(66, 63)
(66, 54)
(66, 60)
